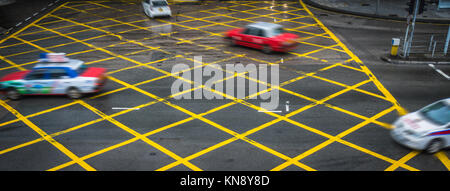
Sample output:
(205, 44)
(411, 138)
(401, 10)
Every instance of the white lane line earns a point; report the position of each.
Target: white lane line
(278, 111)
(439, 71)
(125, 108)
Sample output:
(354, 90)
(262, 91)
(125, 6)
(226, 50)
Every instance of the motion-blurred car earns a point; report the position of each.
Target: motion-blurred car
(267, 37)
(54, 75)
(426, 129)
(156, 8)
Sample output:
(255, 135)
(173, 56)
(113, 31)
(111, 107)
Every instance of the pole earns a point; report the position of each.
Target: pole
(446, 41)
(377, 8)
(416, 9)
(405, 40)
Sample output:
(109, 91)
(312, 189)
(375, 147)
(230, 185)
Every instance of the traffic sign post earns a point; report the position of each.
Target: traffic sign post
(416, 9)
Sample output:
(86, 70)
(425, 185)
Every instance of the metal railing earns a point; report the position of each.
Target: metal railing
(429, 45)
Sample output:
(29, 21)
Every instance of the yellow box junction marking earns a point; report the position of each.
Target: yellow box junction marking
(295, 161)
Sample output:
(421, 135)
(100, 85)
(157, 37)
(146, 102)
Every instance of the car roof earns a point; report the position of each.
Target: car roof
(72, 64)
(264, 25)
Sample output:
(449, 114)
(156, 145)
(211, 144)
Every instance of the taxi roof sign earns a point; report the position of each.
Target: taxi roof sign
(53, 57)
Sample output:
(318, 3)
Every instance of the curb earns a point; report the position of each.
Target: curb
(413, 62)
(317, 5)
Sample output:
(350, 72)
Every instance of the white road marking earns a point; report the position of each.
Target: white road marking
(126, 108)
(278, 111)
(439, 71)
(287, 106)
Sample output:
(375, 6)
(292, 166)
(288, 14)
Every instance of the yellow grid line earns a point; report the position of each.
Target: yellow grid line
(45, 136)
(402, 160)
(443, 158)
(200, 117)
(138, 135)
(80, 52)
(386, 93)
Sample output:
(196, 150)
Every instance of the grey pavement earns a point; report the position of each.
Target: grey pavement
(13, 13)
(389, 8)
(396, 9)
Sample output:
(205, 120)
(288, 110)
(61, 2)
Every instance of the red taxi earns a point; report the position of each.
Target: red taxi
(268, 37)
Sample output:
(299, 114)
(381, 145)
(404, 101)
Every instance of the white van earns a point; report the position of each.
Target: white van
(155, 8)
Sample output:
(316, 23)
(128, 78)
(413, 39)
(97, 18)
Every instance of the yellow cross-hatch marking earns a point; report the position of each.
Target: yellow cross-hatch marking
(193, 41)
(49, 139)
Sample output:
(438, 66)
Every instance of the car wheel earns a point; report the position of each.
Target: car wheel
(12, 94)
(74, 93)
(266, 49)
(434, 146)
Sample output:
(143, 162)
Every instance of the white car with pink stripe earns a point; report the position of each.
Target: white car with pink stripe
(54, 75)
(426, 129)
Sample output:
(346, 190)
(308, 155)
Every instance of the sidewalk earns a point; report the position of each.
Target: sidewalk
(387, 9)
(390, 9)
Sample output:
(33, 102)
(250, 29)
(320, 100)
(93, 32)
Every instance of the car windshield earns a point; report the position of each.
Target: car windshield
(159, 3)
(438, 113)
(81, 69)
(277, 31)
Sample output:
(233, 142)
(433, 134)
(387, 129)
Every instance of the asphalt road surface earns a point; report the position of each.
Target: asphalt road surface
(337, 99)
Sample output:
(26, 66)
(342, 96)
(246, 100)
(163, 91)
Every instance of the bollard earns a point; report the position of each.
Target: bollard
(394, 49)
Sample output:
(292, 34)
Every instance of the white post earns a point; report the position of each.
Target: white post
(446, 41)
(405, 40)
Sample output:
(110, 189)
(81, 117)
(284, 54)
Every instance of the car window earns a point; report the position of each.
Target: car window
(81, 69)
(159, 3)
(438, 113)
(278, 31)
(251, 31)
(261, 33)
(246, 31)
(58, 73)
(147, 1)
(254, 32)
(38, 74)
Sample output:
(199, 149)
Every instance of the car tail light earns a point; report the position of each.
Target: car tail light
(100, 80)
